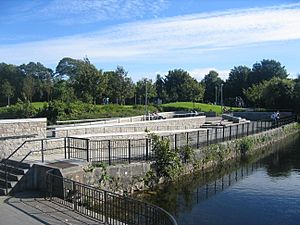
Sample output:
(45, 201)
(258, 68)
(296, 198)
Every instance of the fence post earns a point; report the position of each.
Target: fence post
(248, 129)
(175, 141)
(74, 197)
(87, 150)
(230, 132)
(68, 147)
(237, 131)
(109, 153)
(105, 208)
(198, 134)
(187, 139)
(147, 148)
(65, 147)
(207, 137)
(223, 138)
(253, 127)
(129, 152)
(243, 129)
(42, 145)
(216, 135)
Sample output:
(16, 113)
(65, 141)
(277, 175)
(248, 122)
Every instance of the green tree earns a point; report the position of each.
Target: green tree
(237, 81)
(266, 70)
(28, 87)
(211, 81)
(296, 94)
(255, 94)
(141, 90)
(67, 68)
(160, 88)
(278, 93)
(180, 86)
(7, 90)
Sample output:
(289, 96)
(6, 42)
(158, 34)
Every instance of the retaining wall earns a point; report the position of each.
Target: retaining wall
(152, 125)
(14, 132)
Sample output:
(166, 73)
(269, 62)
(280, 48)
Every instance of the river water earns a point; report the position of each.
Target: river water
(262, 191)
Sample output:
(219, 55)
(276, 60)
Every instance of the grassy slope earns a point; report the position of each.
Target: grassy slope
(198, 106)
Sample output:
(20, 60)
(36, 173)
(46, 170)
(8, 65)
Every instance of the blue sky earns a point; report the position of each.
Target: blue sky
(152, 36)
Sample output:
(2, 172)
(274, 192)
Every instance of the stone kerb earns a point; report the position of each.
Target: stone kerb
(169, 124)
(14, 132)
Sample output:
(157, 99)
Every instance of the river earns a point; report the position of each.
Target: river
(263, 191)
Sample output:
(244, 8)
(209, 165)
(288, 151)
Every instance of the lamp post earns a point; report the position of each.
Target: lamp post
(146, 98)
(221, 90)
(216, 95)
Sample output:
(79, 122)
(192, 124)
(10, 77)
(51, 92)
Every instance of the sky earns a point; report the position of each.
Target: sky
(149, 37)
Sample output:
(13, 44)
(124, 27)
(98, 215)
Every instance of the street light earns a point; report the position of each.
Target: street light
(221, 98)
(146, 98)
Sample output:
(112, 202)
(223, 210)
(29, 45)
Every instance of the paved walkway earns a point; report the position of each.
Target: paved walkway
(30, 208)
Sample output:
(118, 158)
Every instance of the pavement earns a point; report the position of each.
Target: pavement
(31, 208)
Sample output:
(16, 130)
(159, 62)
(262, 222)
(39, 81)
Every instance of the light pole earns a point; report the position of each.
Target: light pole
(216, 95)
(221, 87)
(146, 98)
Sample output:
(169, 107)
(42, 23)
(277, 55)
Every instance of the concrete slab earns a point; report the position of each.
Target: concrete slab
(30, 208)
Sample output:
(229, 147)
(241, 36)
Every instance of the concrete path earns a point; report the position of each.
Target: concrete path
(30, 208)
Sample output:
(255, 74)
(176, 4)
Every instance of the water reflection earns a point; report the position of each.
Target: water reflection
(268, 185)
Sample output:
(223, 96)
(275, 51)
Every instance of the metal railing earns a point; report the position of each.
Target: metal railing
(130, 150)
(104, 206)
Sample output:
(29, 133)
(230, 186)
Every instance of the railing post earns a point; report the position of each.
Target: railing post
(74, 197)
(207, 137)
(65, 147)
(147, 148)
(243, 130)
(237, 131)
(248, 129)
(223, 134)
(198, 136)
(105, 208)
(87, 150)
(187, 139)
(129, 151)
(175, 141)
(42, 146)
(68, 147)
(230, 132)
(109, 152)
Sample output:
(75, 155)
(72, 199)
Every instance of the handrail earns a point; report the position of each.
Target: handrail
(170, 219)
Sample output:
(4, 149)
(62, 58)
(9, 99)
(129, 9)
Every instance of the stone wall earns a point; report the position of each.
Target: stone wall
(153, 125)
(14, 132)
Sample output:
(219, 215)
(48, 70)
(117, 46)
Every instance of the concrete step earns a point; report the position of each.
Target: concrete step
(17, 164)
(13, 170)
(3, 190)
(10, 184)
(10, 176)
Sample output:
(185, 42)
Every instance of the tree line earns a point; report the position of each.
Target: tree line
(266, 85)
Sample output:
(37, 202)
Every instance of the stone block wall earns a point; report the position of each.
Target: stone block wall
(14, 132)
(153, 125)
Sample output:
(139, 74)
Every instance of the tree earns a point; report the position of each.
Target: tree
(67, 67)
(266, 70)
(28, 87)
(278, 93)
(7, 90)
(160, 88)
(88, 82)
(180, 86)
(36, 70)
(296, 94)
(119, 86)
(237, 81)
(211, 81)
(141, 90)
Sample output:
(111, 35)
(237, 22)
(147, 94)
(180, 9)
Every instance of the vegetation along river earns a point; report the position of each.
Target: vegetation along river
(263, 190)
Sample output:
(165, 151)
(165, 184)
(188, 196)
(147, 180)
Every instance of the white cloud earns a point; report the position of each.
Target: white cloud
(201, 72)
(168, 40)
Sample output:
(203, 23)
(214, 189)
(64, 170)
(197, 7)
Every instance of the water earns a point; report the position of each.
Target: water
(263, 191)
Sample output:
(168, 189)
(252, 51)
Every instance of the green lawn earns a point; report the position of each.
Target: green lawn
(197, 106)
(39, 105)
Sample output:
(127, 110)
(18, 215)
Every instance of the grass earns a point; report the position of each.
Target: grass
(197, 106)
(39, 105)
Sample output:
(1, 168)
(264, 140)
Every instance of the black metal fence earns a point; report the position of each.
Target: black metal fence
(104, 206)
(129, 150)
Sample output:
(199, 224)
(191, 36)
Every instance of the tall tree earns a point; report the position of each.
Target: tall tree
(141, 90)
(7, 90)
(211, 81)
(28, 87)
(266, 70)
(237, 81)
(180, 86)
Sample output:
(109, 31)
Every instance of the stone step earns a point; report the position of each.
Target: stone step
(13, 170)
(10, 184)
(10, 176)
(16, 164)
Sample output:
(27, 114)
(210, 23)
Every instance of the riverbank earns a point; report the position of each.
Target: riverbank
(129, 178)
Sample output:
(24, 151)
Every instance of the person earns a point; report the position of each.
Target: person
(277, 115)
(273, 116)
